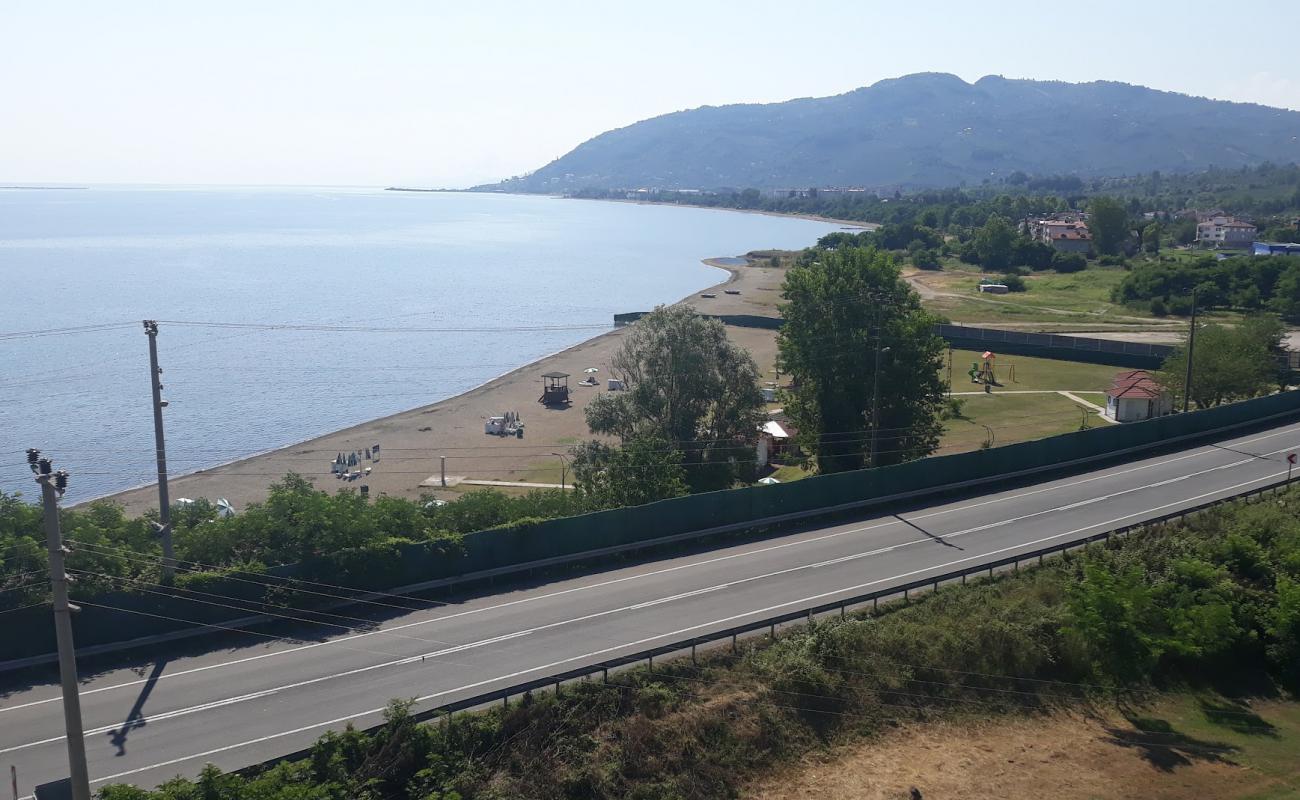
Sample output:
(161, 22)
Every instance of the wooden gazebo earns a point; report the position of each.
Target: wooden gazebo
(555, 391)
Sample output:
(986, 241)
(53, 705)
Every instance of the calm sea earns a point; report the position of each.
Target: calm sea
(338, 257)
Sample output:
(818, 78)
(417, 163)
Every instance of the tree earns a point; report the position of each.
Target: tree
(1069, 262)
(834, 307)
(1026, 252)
(1151, 238)
(1286, 295)
(1228, 363)
(642, 470)
(1112, 617)
(993, 243)
(685, 384)
(1108, 224)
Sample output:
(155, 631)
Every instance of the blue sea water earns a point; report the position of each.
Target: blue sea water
(338, 257)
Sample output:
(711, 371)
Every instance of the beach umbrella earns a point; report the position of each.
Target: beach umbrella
(768, 481)
(590, 370)
(224, 508)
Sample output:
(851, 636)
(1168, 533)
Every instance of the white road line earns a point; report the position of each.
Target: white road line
(653, 573)
(679, 633)
(645, 604)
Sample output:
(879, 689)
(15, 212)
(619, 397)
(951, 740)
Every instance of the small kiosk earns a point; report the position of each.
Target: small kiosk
(555, 391)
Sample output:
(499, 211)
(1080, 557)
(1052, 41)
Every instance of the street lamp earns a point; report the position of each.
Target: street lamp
(563, 468)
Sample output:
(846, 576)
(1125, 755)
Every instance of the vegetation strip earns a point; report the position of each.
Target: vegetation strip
(1175, 605)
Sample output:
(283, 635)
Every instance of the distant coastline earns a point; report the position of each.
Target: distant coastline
(846, 223)
(414, 189)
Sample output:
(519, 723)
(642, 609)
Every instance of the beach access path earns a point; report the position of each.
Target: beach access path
(414, 442)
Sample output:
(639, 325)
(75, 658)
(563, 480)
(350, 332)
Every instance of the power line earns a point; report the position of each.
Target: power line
(286, 617)
(101, 326)
(290, 326)
(290, 583)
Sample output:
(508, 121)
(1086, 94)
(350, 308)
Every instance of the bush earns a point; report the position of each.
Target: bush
(1214, 599)
(1112, 261)
(1158, 307)
(1069, 262)
(1180, 306)
(1013, 282)
(926, 259)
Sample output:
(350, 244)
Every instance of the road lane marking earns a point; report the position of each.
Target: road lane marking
(639, 576)
(658, 601)
(677, 633)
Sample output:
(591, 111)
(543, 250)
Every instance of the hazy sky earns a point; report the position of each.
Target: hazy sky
(377, 92)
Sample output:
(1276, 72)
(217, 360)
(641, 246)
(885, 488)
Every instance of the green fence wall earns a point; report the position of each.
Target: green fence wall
(30, 632)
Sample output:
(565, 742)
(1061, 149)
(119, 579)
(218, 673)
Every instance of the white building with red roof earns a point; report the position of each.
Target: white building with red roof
(1135, 396)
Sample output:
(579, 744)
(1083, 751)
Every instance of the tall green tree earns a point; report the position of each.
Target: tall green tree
(1228, 364)
(1151, 238)
(1108, 223)
(833, 309)
(994, 243)
(641, 470)
(688, 385)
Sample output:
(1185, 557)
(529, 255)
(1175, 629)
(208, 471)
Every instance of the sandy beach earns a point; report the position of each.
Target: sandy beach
(413, 443)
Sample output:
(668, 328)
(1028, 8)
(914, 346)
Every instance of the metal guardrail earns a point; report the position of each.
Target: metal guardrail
(769, 624)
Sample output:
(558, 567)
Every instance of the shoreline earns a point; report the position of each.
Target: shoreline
(232, 473)
(866, 226)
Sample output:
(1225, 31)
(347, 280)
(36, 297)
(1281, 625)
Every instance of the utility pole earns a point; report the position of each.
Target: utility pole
(875, 400)
(52, 485)
(1191, 349)
(878, 298)
(164, 524)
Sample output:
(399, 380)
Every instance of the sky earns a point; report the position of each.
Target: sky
(449, 94)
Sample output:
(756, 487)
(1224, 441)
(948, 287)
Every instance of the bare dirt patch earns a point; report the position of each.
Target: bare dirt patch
(1064, 756)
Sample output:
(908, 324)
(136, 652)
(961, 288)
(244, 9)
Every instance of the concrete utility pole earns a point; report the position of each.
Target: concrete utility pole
(878, 298)
(52, 485)
(875, 401)
(164, 524)
(1191, 348)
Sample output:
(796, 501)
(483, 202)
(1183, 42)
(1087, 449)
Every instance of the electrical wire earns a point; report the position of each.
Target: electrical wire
(291, 326)
(92, 328)
(290, 583)
(138, 586)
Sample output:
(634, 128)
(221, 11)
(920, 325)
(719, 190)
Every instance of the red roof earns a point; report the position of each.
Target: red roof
(1137, 383)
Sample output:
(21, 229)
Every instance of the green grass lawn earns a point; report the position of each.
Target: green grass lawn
(1015, 418)
(1072, 298)
(790, 472)
(1031, 373)
(1262, 736)
(1023, 417)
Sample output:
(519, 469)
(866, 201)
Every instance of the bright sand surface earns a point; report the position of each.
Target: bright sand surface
(412, 443)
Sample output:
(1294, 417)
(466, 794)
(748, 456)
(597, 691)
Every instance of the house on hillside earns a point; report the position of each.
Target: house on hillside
(1135, 396)
(1225, 231)
(1068, 235)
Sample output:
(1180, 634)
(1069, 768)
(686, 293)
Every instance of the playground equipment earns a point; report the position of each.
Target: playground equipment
(981, 371)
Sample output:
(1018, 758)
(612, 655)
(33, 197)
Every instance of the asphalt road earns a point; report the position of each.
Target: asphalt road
(249, 701)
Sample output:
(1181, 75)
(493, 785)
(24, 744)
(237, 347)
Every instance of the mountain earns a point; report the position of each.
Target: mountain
(928, 129)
